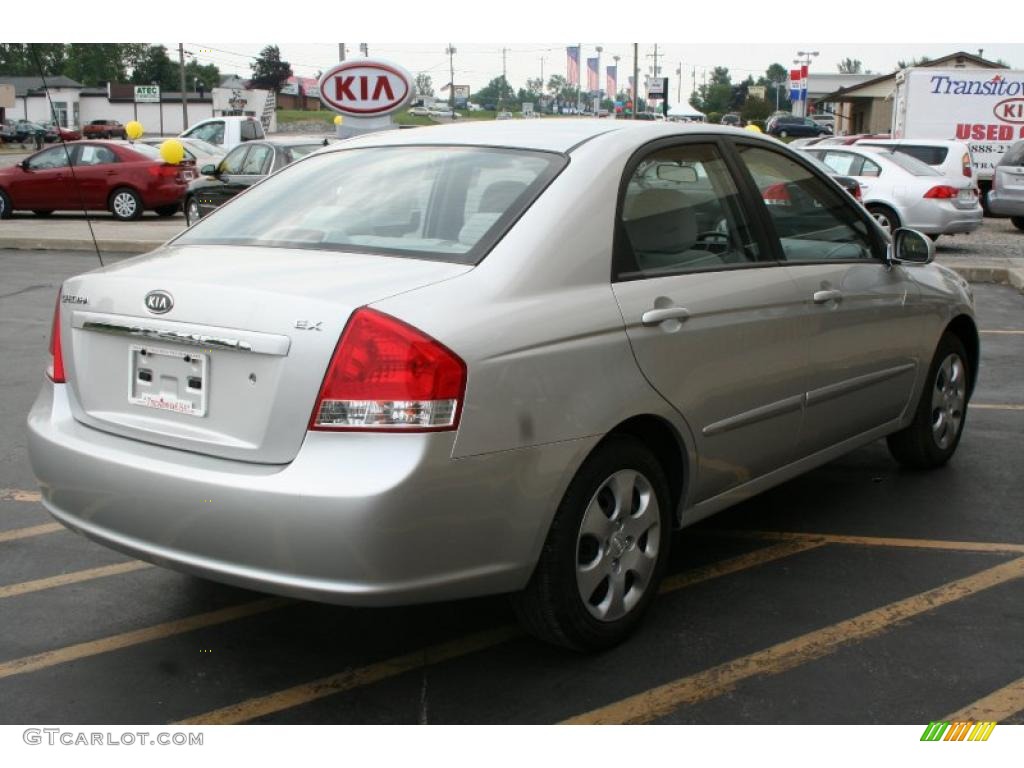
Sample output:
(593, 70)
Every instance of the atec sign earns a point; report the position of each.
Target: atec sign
(365, 87)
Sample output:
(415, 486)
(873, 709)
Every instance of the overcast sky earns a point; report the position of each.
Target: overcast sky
(477, 63)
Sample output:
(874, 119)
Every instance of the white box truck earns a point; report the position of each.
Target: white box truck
(984, 108)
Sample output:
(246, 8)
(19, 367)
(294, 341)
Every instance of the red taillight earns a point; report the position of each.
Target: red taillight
(386, 375)
(163, 170)
(775, 194)
(55, 370)
(966, 160)
(856, 192)
(942, 192)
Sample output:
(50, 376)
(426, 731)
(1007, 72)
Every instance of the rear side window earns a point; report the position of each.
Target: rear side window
(248, 130)
(91, 154)
(431, 202)
(814, 221)
(927, 155)
(1014, 155)
(911, 164)
(681, 213)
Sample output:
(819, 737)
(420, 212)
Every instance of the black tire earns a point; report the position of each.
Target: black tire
(934, 238)
(917, 446)
(119, 206)
(192, 214)
(1017, 221)
(166, 210)
(552, 607)
(884, 211)
(43, 214)
(5, 205)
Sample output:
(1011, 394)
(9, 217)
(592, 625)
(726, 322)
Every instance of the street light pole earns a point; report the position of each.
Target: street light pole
(597, 101)
(184, 96)
(450, 50)
(636, 78)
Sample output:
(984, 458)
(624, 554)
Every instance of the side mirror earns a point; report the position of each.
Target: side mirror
(24, 165)
(912, 247)
(209, 170)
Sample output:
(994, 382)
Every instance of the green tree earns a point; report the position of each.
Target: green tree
(155, 66)
(424, 85)
(496, 92)
(559, 88)
(270, 72)
(915, 62)
(755, 109)
(850, 66)
(720, 76)
(207, 74)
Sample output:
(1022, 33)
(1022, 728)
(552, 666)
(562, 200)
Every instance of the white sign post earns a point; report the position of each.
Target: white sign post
(366, 92)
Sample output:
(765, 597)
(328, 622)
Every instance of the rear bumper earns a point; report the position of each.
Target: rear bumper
(164, 195)
(943, 217)
(357, 519)
(1002, 205)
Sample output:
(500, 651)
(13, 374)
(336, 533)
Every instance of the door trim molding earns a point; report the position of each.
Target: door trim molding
(754, 415)
(822, 394)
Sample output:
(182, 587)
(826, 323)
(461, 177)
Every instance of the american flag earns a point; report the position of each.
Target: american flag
(572, 65)
(612, 81)
(592, 74)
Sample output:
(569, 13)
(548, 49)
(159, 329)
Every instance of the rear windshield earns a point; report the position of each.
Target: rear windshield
(442, 203)
(927, 155)
(294, 153)
(909, 164)
(153, 153)
(1014, 155)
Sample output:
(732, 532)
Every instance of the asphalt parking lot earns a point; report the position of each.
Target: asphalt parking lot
(859, 593)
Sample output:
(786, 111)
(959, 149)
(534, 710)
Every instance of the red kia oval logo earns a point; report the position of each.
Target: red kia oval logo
(364, 87)
(1010, 110)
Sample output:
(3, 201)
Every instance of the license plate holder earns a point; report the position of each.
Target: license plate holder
(966, 195)
(168, 379)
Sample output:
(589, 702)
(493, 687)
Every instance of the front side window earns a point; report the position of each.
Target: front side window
(212, 132)
(234, 161)
(813, 221)
(430, 202)
(57, 157)
(248, 132)
(257, 162)
(681, 213)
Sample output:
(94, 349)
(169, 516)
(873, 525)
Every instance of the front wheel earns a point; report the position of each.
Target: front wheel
(783, 134)
(886, 217)
(605, 552)
(932, 437)
(1017, 221)
(125, 204)
(5, 205)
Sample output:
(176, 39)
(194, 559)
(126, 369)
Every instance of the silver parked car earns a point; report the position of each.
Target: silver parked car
(506, 357)
(902, 191)
(1006, 198)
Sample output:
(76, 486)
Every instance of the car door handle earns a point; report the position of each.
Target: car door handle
(656, 316)
(823, 297)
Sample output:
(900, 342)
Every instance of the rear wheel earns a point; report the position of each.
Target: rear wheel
(886, 217)
(125, 204)
(166, 210)
(1018, 221)
(5, 205)
(934, 238)
(192, 214)
(783, 134)
(605, 553)
(932, 437)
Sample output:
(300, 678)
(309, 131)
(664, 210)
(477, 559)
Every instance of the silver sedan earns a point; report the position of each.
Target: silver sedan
(506, 357)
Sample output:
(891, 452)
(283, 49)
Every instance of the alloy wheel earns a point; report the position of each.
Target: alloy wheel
(883, 221)
(949, 395)
(125, 205)
(192, 212)
(617, 545)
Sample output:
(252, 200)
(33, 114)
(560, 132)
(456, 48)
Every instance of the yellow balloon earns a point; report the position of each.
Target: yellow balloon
(754, 128)
(134, 130)
(172, 151)
(338, 119)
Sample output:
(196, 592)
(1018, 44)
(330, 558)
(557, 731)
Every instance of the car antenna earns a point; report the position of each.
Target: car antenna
(67, 152)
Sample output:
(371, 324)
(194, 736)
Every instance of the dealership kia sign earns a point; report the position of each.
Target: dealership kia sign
(366, 88)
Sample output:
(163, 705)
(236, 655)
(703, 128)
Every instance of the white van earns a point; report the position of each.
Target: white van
(226, 132)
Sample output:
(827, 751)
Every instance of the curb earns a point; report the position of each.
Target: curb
(77, 244)
(1002, 275)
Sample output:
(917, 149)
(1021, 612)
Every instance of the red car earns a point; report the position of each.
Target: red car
(59, 132)
(114, 176)
(104, 129)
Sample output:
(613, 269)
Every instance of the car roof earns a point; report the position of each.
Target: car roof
(548, 134)
(910, 142)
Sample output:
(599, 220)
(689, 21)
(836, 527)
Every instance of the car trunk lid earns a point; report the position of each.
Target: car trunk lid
(229, 355)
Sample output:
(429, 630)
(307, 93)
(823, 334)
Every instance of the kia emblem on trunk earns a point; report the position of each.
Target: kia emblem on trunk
(159, 302)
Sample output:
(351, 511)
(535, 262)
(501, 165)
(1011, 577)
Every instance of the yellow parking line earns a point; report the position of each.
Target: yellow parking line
(997, 406)
(740, 563)
(35, 530)
(664, 699)
(998, 705)
(136, 637)
(878, 541)
(16, 494)
(13, 590)
(354, 678)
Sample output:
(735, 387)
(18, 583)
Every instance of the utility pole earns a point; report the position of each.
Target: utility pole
(364, 49)
(341, 51)
(542, 74)
(597, 100)
(679, 83)
(614, 96)
(636, 78)
(655, 70)
(450, 50)
(504, 81)
(184, 96)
